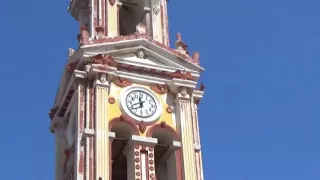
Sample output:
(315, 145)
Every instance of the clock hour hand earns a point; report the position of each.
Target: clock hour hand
(140, 105)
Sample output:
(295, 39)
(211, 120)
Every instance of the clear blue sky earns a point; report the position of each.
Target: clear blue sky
(260, 117)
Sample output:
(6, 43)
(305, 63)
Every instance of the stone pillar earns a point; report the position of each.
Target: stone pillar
(141, 164)
(112, 18)
(102, 158)
(89, 133)
(198, 153)
(174, 161)
(79, 146)
(184, 119)
(156, 20)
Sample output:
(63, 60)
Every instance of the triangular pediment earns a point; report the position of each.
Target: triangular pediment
(155, 55)
(145, 58)
(132, 57)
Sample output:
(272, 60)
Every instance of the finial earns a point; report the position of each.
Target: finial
(141, 29)
(70, 52)
(180, 45)
(196, 57)
(100, 32)
(202, 87)
(179, 36)
(83, 37)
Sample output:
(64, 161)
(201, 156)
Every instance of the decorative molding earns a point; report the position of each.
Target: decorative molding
(142, 128)
(163, 125)
(122, 82)
(125, 119)
(53, 112)
(100, 32)
(112, 2)
(160, 89)
(169, 110)
(180, 45)
(183, 91)
(140, 54)
(196, 57)
(182, 75)
(72, 66)
(85, 41)
(141, 29)
(103, 60)
(66, 102)
(156, 10)
(83, 36)
(103, 78)
(70, 52)
(111, 100)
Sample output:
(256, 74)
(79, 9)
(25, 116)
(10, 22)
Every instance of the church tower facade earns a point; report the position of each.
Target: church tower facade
(126, 106)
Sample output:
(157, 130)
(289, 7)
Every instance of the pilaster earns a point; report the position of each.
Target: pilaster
(88, 133)
(156, 20)
(183, 107)
(80, 145)
(102, 157)
(112, 16)
(141, 158)
(196, 96)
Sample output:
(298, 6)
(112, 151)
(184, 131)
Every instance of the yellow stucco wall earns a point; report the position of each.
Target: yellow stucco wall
(114, 110)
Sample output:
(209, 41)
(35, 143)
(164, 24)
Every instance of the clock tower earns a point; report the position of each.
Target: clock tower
(126, 106)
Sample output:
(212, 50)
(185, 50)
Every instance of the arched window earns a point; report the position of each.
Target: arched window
(119, 160)
(131, 13)
(165, 152)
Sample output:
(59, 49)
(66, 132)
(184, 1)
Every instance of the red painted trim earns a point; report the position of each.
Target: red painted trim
(125, 119)
(122, 82)
(160, 89)
(164, 126)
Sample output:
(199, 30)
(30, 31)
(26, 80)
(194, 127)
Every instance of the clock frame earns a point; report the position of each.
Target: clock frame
(125, 109)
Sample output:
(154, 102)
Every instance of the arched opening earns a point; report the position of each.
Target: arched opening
(165, 159)
(123, 131)
(131, 13)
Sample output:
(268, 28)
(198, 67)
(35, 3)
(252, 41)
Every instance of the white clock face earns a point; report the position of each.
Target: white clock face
(141, 104)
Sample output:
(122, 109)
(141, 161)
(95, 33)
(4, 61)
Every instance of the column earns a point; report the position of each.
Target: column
(112, 17)
(102, 156)
(89, 133)
(184, 119)
(197, 145)
(156, 20)
(142, 158)
(79, 145)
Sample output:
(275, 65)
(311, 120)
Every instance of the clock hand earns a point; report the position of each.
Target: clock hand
(140, 105)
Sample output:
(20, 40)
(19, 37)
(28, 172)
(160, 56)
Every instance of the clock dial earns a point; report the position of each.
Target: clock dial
(141, 104)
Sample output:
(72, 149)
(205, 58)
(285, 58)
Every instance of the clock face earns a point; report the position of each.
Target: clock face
(141, 104)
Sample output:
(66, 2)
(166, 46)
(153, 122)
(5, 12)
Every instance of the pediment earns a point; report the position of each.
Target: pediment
(145, 58)
(156, 54)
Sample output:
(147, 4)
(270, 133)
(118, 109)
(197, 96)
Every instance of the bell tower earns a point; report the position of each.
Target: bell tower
(127, 103)
(113, 18)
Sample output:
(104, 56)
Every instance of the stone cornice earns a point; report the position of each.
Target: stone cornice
(110, 44)
(197, 94)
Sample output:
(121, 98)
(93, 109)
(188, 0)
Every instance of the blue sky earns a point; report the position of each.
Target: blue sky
(260, 116)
